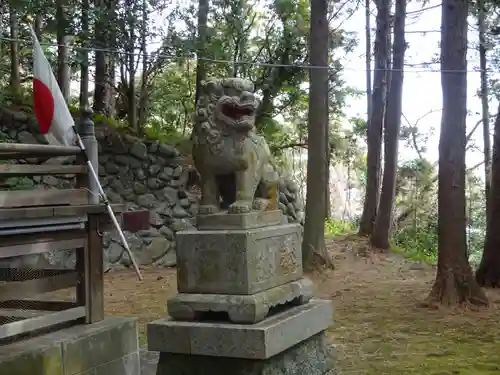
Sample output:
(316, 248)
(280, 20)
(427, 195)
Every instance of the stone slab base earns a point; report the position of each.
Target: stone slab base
(310, 357)
(109, 347)
(245, 309)
(258, 341)
(249, 220)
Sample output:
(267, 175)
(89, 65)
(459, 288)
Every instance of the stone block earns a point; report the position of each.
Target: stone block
(245, 309)
(36, 359)
(312, 356)
(250, 220)
(258, 341)
(99, 343)
(127, 365)
(238, 261)
(78, 350)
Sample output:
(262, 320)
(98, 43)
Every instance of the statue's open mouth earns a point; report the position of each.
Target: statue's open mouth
(237, 112)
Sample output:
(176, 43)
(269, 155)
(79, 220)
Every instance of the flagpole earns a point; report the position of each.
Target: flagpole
(86, 114)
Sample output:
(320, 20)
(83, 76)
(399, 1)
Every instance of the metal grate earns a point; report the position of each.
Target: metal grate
(37, 290)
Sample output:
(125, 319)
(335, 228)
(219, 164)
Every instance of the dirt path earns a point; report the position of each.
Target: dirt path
(378, 327)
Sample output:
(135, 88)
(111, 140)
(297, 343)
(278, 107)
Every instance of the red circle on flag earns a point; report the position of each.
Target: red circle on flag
(44, 105)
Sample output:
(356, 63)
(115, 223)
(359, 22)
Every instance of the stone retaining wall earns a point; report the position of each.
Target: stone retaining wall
(142, 174)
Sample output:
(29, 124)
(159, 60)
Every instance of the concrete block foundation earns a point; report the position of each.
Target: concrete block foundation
(257, 341)
(109, 347)
(310, 357)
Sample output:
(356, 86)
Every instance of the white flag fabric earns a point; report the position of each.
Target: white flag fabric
(52, 113)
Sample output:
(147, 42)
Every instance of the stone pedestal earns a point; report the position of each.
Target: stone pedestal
(239, 308)
(310, 357)
(109, 347)
(243, 306)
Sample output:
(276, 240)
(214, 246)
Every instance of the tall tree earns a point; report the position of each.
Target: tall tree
(368, 62)
(455, 283)
(488, 273)
(143, 108)
(376, 123)
(104, 38)
(313, 246)
(129, 30)
(63, 71)
(203, 7)
(84, 55)
(383, 221)
(15, 73)
(481, 15)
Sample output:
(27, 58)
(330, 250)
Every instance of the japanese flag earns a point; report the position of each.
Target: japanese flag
(52, 113)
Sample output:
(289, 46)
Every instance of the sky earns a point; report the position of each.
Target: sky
(422, 87)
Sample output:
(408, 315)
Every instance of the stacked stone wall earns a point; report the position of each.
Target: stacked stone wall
(142, 174)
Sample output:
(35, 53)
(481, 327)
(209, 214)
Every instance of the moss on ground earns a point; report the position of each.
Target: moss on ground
(378, 326)
(389, 334)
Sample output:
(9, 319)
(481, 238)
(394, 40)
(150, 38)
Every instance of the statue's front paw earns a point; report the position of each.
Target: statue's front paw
(207, 209)
(240, 207)
(260, 204)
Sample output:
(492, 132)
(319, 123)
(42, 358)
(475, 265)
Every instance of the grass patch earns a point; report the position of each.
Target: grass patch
(413, 255)
(334, 228)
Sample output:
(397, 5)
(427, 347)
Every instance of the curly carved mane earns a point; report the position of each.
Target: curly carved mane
(208, 129)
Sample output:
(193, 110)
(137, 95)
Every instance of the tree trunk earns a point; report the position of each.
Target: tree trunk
(111, 59)
(488, 273)
(376, 123)
(38, 26)
(131, 93)
(383, 222)
(203, 8)
(455, 283)
(313, 245)
(368, 59)
(63, 72)
(100, 94)
(84, 56)
(484, 102)
(103, 91)
(15, 74)
(328, 201)
(144, 94)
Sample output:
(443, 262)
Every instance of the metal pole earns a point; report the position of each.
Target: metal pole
(86, 127)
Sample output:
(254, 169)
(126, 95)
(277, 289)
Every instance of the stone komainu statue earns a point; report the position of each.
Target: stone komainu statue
(234, 162)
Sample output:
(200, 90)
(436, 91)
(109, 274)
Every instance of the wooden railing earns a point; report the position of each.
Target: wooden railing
(37, 221)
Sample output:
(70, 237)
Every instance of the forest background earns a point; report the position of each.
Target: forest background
(138, 63)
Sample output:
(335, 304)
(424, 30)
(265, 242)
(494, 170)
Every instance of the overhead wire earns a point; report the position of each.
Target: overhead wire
(238, 62)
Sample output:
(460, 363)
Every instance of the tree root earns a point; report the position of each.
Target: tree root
(488, 277)
(455, 289)
(319, 260)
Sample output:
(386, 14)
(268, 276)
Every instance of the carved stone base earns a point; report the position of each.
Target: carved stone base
(245, 309)
(238, 261)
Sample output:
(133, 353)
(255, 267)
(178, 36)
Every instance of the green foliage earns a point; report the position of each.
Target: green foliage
(419, 243)
(18, 183)
(335, 228)
(415, 256)
(246, 36)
